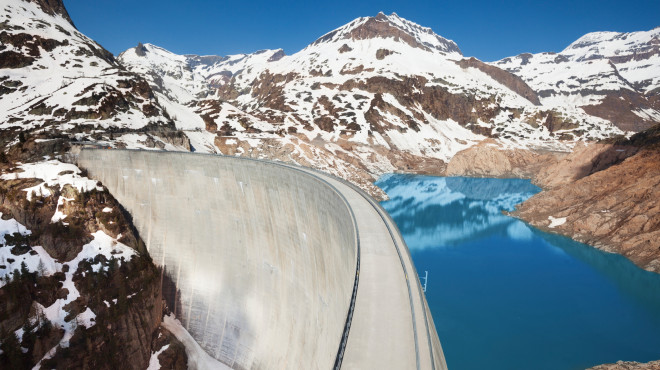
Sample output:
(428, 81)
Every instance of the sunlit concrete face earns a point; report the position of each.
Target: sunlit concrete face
(263, 256)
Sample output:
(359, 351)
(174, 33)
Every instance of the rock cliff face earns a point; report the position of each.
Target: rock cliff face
(77, 281)
(54, 7)
(606, 196)
(586, 159)
(491, 159)
(78, 287)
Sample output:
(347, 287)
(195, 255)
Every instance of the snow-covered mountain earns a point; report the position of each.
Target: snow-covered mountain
(53, 78)
(615, 76)
(376, 95)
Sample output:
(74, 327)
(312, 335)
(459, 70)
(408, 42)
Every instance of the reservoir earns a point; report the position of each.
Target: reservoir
(505, 295)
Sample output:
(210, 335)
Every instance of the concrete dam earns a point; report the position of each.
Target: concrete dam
(274, 266)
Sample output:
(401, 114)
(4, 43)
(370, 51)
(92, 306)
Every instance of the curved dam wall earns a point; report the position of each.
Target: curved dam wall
(263, 257)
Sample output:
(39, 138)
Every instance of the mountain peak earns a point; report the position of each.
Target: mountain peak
(381, 16)
(391, 27)
(617, 45)
(140, 50)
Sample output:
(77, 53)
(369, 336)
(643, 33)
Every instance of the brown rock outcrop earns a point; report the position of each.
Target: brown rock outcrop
(175, 138)
(628, 365)
(174, 356)
(12, 59)
(615, 209)
(488, 159)
(413, 92)
(585, 160)
(345, 48)
(513, 82)
(618, 107)
(608, 194)
(382, 53)
(32, 44)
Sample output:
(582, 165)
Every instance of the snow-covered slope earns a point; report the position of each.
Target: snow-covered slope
(636, 55)
(615, 76)
(55, 79)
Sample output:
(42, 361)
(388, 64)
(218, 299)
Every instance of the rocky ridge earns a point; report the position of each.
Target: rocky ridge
(612, 75)
(605, 195)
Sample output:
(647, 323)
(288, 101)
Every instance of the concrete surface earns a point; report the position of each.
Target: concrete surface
(263, 256)
(390, 297)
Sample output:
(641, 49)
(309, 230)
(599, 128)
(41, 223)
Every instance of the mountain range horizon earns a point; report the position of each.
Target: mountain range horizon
(146, 42)
(486, 31)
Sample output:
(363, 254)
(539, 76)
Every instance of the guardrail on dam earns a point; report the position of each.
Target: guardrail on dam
(263, 256)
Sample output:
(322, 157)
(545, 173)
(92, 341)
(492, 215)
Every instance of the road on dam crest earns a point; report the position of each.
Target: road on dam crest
(274, 266)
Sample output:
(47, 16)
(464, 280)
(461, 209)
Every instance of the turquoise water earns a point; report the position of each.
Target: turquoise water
(505, 295)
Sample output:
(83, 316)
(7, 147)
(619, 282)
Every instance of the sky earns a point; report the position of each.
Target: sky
(486, 29)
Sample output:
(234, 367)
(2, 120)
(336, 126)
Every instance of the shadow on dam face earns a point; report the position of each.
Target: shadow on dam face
(261, 258)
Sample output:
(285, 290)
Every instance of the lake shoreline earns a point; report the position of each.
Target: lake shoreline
(486, 256)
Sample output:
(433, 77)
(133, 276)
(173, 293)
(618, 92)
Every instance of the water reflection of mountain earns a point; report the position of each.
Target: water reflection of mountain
(489, 188)
(435, 212)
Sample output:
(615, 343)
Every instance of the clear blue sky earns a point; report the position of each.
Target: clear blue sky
(486, 29)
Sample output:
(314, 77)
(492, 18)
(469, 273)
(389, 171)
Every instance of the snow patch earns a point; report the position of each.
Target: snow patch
(59, 215)
(10, 227)
(86, 318)
(154, 363)
(197, 357)
(53, 173)
(554, 222)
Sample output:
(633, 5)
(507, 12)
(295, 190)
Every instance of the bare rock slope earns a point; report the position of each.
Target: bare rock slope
(629, 365)
(607, 196)
(491, 159)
